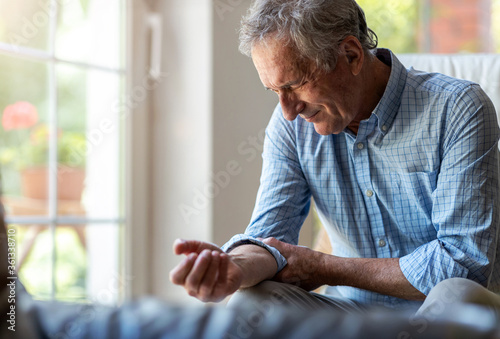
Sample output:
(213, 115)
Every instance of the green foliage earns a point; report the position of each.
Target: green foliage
(395, 22)
(85, 5)
(32, 149)
(68, 143)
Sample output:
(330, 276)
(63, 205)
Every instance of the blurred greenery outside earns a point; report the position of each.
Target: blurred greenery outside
(71, 265)
(394, 22)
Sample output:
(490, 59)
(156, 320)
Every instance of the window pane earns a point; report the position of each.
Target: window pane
(89, 138)
(89, 31)
(34, 259)
(87, 262)
(105, 282)
(24, 135)
(25, 23)
(71, 263)
(71, 140)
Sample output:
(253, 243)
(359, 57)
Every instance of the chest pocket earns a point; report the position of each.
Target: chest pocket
(413, 201)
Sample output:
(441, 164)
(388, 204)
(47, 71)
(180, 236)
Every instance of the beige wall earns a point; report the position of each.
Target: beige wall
(207, 120)
(241, 111)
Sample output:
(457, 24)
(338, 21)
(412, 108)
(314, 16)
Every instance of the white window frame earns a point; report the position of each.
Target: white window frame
(135, 172)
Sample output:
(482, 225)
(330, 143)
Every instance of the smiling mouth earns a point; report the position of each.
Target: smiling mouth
(310, 118)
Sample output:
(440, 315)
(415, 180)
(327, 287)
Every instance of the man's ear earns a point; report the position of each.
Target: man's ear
(351, 48)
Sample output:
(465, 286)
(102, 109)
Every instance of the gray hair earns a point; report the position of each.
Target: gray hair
(313, 27)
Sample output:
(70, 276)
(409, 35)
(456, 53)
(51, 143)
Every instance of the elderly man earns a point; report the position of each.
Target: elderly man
(402, 165)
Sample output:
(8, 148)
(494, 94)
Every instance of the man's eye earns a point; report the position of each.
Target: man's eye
(303, 84)
(298, 87)
(273, 90)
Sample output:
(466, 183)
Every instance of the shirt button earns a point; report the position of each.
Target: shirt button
(384, 128)
(369, 193)
(382, 243)
(361, 146)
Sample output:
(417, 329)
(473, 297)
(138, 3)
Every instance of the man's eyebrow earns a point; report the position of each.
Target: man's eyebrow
(288, 84)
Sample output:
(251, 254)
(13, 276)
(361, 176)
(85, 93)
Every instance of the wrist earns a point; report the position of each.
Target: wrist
(255, 263)
(330, 270)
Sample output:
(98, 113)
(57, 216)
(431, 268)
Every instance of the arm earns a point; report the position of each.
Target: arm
(465, 201)
(378, 275)
(310, 269)
(209, 274)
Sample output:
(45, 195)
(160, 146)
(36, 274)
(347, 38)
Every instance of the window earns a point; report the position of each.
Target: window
(435, 26)
(62, 71)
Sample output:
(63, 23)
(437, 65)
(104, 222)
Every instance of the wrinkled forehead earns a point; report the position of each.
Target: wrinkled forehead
(277, 62)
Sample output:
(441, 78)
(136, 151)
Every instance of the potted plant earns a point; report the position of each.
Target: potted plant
(27, 153)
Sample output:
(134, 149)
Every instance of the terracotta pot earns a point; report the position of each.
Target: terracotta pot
(34, 183)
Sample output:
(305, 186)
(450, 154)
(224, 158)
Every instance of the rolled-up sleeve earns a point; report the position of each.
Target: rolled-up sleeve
(244, 239)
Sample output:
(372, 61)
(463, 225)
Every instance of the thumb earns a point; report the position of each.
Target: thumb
(182, 246)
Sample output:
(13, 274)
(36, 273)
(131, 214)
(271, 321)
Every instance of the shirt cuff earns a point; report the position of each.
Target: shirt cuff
(243, 239)
(429, 264)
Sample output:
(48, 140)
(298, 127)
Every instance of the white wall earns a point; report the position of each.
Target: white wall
(181, 135)
(207, 125)
(241, 111)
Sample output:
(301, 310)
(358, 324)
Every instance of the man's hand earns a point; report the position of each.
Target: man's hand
(206, 273)
(303, 268)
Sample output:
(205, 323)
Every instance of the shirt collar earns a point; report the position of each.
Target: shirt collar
(388, 106)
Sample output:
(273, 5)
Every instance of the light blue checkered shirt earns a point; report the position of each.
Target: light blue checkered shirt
(418, 182)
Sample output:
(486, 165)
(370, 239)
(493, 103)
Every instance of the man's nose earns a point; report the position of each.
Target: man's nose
(291, 105)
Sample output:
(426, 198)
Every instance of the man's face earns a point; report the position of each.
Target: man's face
(330, 101)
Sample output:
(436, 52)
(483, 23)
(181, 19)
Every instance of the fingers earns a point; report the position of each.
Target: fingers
(273, 242)
(186, 246)
(194, 278)
(209, 279)
(182, 246)
(180, 272)
(201, 280)
(270, 240)
(204, 272)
